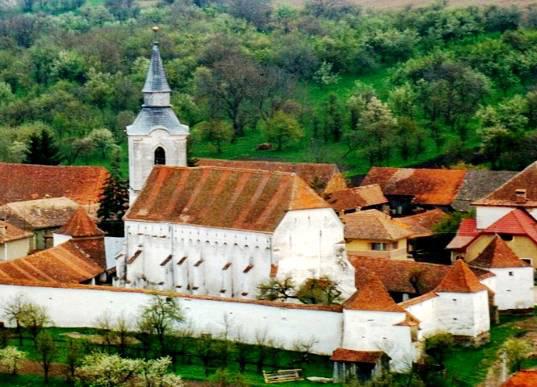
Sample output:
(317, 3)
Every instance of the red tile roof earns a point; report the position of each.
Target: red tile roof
(373, 225)
(460, 279)
(27, 182)
(524, 378)
(426, 186)
(40, 213)
(9, 233)
(321, 177)
(357, 197)
(80, 225)
(422, 224)
(497, 255)
(506, 195)
(351, 356)
(65, 263)
(371, 295)
(516, 222)
(253, 200)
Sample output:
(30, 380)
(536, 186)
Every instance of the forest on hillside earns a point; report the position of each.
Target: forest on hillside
(329, 82)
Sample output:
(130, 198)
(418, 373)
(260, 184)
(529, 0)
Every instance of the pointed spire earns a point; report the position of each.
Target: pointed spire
(155, 81)
(460, 279)
(497, 255)
(372, 296)
(80, 225)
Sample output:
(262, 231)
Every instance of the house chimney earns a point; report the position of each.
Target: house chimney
(521, 195)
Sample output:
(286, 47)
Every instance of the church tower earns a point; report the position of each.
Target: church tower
(156, 136)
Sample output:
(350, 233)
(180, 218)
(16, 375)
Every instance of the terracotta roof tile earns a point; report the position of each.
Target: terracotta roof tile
(39, 213)
(27, 182)
(516, 222)
(373, 225)
(357, 197)
(80, 225)
(506, 194)
(401, 276)
(426, 186)
(524, 378)
(9, 232)
(351, 356)
(321, 177)
(497, 255)
(245, 199)
(460, 279)
(371, 295)
(65, 263)
(422, 224)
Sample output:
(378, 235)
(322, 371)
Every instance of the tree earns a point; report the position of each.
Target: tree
(515, 352)
(13, 312)
(319, 291)
(256, 12)
(10, 358)
(225, 378)
(216, 132)
(325, 76)
(283, 129)
(411, 138)
(47, 350)
(102, 370)
(42, 149)
(114, 205)
(333, 118)
(403, 101)
(206, 351)
(274, 289)
(73, 358)
(160, 317)
(377, 130)
(34, 318)
(438, 346)
(102, 140)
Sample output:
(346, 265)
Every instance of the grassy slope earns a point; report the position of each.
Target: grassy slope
(391, 4)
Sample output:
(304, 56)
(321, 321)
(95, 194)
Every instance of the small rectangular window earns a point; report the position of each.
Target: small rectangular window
(377, 246)
(511, 274)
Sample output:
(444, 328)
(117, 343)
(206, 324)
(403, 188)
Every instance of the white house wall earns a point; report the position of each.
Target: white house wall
(487, 215)
(310, 243)
(514, 288)
(425, 312)
(463, 314)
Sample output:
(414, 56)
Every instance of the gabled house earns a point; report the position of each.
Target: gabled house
(14, 242)
(411, 190)
(349, 200)
(373, 233)
(42, 217)
(516, 227)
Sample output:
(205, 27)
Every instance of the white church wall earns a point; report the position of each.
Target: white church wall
(205, 260)
(487, 215)
(425, 312)
(113, 246)
(310, 243)
(463, 314)
(374, 331)
(250, 321)
(514, 288)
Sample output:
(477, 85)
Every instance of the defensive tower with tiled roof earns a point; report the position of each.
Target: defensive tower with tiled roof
(460, 279)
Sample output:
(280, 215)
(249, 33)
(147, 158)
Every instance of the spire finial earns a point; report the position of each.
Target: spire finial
(155, 29)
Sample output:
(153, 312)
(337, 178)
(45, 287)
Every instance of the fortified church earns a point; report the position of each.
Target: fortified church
(210, 235)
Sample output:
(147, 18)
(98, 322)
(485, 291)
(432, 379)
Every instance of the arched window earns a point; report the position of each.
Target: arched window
(160, 156)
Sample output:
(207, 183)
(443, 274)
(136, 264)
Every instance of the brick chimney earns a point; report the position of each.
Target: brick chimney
(521, 195)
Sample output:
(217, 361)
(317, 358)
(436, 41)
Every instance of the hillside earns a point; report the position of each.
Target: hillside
(398, 4)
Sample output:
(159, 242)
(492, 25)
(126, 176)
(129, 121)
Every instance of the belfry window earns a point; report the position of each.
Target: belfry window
(160, 156)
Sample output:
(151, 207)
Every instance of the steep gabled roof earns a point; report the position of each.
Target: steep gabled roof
(243, 199)
(426, 186)
(477, 184)
(321, 177)
(80, 225)
(466, 233)
(65, 263)
(460, 279)
(506, 195)
(516, 222)
(373, 225)
(21, 182)
(356, 197)
(371, 296)
(497, 255)
(350, 356)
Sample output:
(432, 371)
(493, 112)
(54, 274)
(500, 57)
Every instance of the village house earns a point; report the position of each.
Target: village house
(14, 242)
(375, 234)
(41, 217)
(24, 182)
(354, 199)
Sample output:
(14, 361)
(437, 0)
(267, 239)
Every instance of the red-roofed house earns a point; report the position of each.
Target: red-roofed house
(517, 228)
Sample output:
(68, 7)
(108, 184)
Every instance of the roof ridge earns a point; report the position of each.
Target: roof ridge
(459, 279)
(372, 296)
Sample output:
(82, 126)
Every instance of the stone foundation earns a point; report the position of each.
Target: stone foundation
(476, 341)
